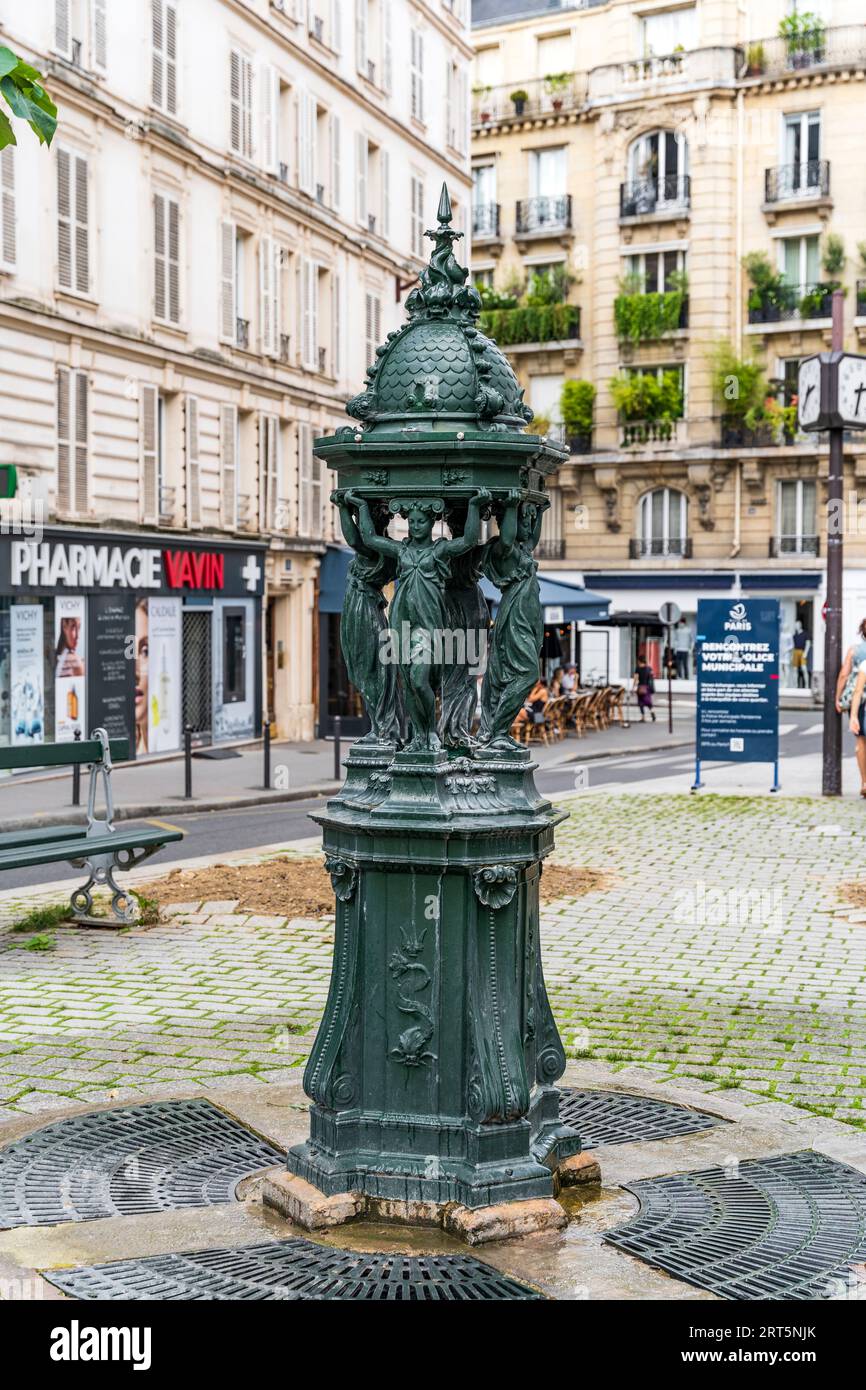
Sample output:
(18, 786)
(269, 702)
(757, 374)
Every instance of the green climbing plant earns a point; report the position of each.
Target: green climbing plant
(646, 396)
(576, 406)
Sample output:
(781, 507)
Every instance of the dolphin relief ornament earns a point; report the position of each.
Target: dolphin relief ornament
(433, 1074)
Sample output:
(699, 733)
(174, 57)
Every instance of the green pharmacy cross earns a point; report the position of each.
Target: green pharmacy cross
(433, 1075)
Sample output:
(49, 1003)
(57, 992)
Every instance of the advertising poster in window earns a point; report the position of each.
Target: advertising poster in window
(112, 664)
(70, 705)
(163, 674)
(27, 682)
(234, 669)
(141, 672)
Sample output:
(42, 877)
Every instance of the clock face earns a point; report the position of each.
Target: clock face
(852, 392)
(809, 392)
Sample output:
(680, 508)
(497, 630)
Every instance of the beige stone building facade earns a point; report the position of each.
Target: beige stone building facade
(637, 155)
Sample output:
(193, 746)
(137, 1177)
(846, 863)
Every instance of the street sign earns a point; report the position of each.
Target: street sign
(670, 613)
(737, 651)
(831, 391)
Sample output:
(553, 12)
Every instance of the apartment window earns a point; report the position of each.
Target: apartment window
(372, 186)
(164, 62)
(801, 153)
(166, 258)
(789, 374)
(417, 216)
(655, 271)
(551, 545)
(668, 31)
(72, 441)
(483, 279)
(553, 54)
(483, 185)
(326, 178)
(659, 162)
(796, 515)
(234, 321)
(416, 74)
(81, 32)
(663, 521)
(324, 23)
(373, 49)
(372, 324)
(456, 111)
(73, 222)
(800, 259)
(547, 173)
(8, 219)
(240, 104)
(545, 396)
(309, 485)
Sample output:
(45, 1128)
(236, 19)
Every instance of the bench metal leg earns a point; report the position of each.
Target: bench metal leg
(124, 910)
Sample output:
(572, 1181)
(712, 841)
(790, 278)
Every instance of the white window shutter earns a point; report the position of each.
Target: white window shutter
(99, 35)
(193, 464)
(64, 219)
(82, 226)
(267, 323)
(8, 221)
(385, 178)
(449, 103)
(311, 314)
(336, 325)
(462, 110)
(387, 60)
(307, 144)
(160, 257)
(304, 481)
(277, 287)
(64, 440)
(80, 423)
(228, 289)
(240, 104)
(361, 36)
(336, 26)
(173, 246)
(157, 54)
(63, 27)
(416, 69)
(171, 58)
(268, 470)
(73, 243)
(72, 435)
(335, 161)
(149, 449)
(361, 159)
(270, 104)
(228, 466)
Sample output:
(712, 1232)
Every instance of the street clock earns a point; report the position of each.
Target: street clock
(831, 392)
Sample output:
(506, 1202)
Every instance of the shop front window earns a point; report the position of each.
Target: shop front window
(234, 656)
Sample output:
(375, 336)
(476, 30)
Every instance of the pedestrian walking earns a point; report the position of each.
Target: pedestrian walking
(857, 723)
(644, 684)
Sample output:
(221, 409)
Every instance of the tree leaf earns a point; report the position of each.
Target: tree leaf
(7, 134)
(8, 61)
(30, 104)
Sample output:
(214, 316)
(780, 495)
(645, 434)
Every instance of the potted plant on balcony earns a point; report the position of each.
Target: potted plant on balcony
(755, 60)
(739, 386)
(556, 85)
(520, 97)
(481, 95)
(648, 406)
(771, 295)
(576, 404)
(805, 34)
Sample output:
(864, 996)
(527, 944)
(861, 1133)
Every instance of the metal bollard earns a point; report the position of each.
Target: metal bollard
(187, 761)
(76, 774)
(338, 772)
(267, 750)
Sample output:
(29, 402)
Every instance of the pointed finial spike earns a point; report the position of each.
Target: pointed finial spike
(444, 213)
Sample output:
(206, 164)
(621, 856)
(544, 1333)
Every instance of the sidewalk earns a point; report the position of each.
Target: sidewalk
(298, 770)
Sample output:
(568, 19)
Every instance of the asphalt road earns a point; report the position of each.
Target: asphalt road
(215, 832)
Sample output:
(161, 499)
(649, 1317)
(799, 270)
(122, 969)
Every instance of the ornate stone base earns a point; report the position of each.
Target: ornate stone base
(309, 1208)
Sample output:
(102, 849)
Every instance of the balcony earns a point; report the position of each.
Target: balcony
(547, 324)
(548, 97)
(648, 317)
(485, 222)
(670, 196)
(794, 303)
(643, 433)
(843, 46)
(551, 549)
(650, 76)
(797, 184)
(578, 443)
(543, 216)
(242, 333)
(780, 546)
(736, 434)
(861, 299)
(658, 547)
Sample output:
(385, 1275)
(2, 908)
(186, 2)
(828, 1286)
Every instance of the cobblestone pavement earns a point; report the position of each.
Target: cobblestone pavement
(720, 951)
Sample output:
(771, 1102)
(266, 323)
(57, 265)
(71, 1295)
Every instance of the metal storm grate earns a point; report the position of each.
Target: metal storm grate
(292, 1269)
(792, 1227)
(610, 1117)
(146, 1158)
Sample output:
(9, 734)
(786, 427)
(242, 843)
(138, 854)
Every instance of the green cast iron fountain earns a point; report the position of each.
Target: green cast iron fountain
(433, 1075)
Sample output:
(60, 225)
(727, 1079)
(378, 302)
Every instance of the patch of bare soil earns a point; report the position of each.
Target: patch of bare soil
(301, 888)
(854, 894)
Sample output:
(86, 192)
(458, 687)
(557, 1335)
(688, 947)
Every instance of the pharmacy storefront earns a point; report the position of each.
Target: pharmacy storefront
(140, 634)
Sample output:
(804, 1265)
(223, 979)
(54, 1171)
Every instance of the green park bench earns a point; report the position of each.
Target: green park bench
(97, 846)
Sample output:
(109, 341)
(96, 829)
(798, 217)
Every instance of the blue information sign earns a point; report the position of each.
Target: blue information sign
(737, 650)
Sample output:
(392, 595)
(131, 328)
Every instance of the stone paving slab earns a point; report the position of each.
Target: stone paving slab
(719, 954)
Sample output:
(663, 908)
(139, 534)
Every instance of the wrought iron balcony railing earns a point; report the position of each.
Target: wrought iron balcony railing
(838, 47)
(550, 214)
(792, 302)
(861, 298)
(485, 221)
(579, 443)
(736, 434)
(644, 197)
(541, 97)
(794, 545)
(792, 181)
(643, 547)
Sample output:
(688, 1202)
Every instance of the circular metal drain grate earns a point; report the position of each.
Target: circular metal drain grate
(611, 1117)
(292, 1269)
(146, 1158)
(792, 1227)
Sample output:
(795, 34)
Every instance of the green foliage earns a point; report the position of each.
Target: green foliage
(739, 384)
(519, 95)
(42, 942)
(525, 324)
(770, 289)
(492, 299)
(539, 424)
(861, 252)
(642, 396)
(833, 259)
(551, 287)
(21, 88)
(41, 918)
(576, 403)
(804, 31)
(817, 303)
(755, 58)
(556, 83)
(641, 317)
